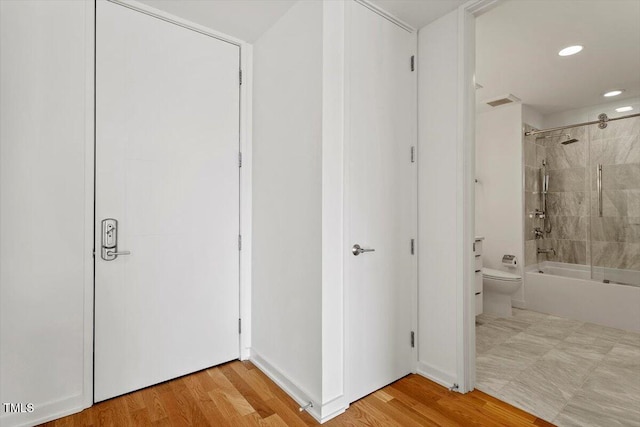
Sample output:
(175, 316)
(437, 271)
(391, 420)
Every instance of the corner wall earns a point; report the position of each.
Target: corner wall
(287, 202)
(46, 207)
(499, 196)
(438, 233)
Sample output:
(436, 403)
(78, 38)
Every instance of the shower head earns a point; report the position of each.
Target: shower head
(564, 135)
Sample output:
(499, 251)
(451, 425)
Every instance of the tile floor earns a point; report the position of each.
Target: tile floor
(567, 372)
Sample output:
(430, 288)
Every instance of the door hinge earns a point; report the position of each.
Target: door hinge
(239, 160)
(413, 154)
(474, 246)
(413, 62)
(239, 242)
(239, 326)
(413, 246)
(240, 73)
(413, 339)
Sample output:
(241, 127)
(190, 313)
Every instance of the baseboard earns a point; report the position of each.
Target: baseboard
(289, 387)
(517, 303)
(245, 354)
(333, 408)
(44, 412)
(436, 375)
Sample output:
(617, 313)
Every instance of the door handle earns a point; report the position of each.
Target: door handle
(110, 240)
(113, 253)
(357, 250)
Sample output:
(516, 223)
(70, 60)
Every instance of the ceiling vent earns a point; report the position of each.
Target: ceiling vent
(503, 100)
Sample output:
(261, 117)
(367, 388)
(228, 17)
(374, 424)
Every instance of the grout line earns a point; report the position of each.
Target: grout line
(595, 366)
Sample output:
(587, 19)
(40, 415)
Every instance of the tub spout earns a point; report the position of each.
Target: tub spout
(547, 251)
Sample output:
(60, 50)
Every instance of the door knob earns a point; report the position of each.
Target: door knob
(357, 250)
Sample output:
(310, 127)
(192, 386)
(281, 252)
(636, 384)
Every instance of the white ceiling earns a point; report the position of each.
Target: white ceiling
(517, 52)
(244, 19)
(418, 13)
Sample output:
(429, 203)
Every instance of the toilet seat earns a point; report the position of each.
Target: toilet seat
(490, 273)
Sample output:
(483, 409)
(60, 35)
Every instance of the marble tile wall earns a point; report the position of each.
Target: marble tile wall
(534, 153)
(615, 237)
(568, 198)
(578, 234)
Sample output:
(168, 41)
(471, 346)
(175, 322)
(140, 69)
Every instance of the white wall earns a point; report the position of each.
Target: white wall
(287, 201)
(532, 117)
(499, 192)
(438, 233)
(588, 114)
(45, 207)
(333, 243)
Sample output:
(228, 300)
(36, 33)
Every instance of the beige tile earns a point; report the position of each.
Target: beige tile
(630, 338)
(488, 338)
(541, 154)
(529, 153)
(614, 385)
(569, 227)
(541, 399)
(554, 327)
(568, 203)
(623, 356)
(616, 255)
(600, 331)
(564, 371)
(590, 347)
(529, 315)
(572, 179)
(625, 149)
(512, 324)
(618, 177)
(531, 345)
(531, 179)
(585, 411)
(615, 229)
(571, 251)
(615, 130)
(561, 156)
(494, 371)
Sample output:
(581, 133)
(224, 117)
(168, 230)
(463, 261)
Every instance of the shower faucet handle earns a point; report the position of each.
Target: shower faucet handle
(537, 214)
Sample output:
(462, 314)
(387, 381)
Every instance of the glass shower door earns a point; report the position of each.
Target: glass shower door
(614, 172)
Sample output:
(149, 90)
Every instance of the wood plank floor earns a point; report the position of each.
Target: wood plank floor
(239, 394)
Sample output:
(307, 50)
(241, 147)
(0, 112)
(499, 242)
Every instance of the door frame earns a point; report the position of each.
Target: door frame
(465, 216)
(245, 178)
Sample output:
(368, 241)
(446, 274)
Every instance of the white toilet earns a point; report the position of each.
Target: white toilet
(498, 286)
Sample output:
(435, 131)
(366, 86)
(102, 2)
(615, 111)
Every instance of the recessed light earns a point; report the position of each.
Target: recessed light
(624, 109)
(613, 93)
(571, 50)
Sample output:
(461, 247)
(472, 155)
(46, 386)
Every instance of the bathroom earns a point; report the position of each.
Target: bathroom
(557, 209)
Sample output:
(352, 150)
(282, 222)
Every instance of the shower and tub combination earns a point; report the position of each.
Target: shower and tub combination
(582, 221)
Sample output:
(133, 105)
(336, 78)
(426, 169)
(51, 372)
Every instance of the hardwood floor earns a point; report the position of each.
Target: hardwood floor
(239, 394)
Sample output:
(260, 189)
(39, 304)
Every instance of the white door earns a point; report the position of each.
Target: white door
(380, 202)
(167, 140)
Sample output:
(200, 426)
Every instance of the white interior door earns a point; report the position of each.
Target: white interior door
(380, 202)
(167, 141)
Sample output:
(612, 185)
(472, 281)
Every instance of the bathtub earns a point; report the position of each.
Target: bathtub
(566, 290)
